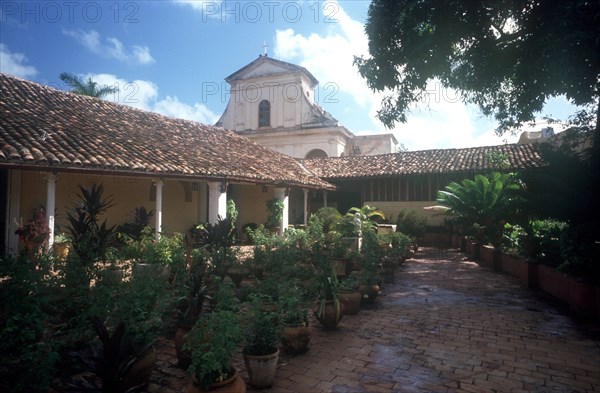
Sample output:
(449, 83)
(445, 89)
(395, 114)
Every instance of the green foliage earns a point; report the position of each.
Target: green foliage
(487, 201)
(512, 239)
(212, 342)
(90, 239)
(262, 326)
(411, 223)
(399, 243)
(232, 213)
(547, 234)
(292, 304)
(215, 236)
(497, 54)
(29, 352)
(87, 88)
(274, 212)
(371, 265)
(140, 219)
(142, 303)
(330, 217)
(348, 225)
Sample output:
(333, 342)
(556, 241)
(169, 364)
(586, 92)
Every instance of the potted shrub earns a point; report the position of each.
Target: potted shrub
(370, 267)
(191, 305)
(261, 336)
(61, 245)
(212, 342)
(296, 332)
(350, 295)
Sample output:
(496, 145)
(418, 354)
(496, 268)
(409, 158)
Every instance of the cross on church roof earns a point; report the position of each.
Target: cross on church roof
(265, 46)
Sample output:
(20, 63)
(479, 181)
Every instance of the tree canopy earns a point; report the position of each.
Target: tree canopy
(506, 56)
(87, 88)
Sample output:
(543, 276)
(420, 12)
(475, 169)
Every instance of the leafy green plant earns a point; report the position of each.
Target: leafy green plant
(212, 342)
(371, 264)
(328, 291)
(330, 217)
(274, 212)
(262, 326)
(140, 219)
(358, 220)
(90, 238)
(292, 304)
(411, 223)
(488, 201)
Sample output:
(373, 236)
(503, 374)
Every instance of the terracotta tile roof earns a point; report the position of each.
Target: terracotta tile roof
(475, 159)
(41, 127)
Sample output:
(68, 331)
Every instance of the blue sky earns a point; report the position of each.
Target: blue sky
(172, 57)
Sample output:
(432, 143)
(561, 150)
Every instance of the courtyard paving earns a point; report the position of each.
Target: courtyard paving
(445, 325)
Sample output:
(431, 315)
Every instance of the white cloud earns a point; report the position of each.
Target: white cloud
(15, 63)
(208, 8)
(111, 47)
(143, 94)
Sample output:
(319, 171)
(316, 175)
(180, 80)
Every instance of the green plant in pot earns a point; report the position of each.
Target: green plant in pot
(262, 331)
(370, 267)
(191, 305)
(329, 310)
(350, 295)
(296, 332)
(212, 343)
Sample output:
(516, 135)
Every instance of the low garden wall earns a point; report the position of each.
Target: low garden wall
(582, 298)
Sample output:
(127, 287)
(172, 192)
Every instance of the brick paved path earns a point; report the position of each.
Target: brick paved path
(446, 325)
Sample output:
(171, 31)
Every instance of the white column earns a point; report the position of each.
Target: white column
(281, 195)
(217, 201)
(324, 198)
(14, 211)
(305, 192)
(50, 206)
(158, 208)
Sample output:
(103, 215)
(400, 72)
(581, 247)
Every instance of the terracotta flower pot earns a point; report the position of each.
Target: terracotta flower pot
(141, 371)
(329, 318)
(369, 293)
(351, 301)
(234, 384)
(295, 339)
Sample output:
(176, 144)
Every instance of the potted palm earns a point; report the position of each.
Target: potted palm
(262, 331)
(370, 267)
(212, 342)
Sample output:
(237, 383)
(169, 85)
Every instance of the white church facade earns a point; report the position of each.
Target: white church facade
(273, 103)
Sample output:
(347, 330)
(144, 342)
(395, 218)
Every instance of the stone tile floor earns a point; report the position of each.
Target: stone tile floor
(445, 325)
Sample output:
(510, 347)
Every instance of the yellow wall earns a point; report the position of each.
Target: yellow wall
(391, 209)
(127, 193)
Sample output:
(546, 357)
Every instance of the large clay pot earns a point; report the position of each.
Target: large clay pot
(295, 339)
(235, 384)
(369, 293)
(141, 371)
(261, 369)
(184, 357)
(351, 301)
(329, 319)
